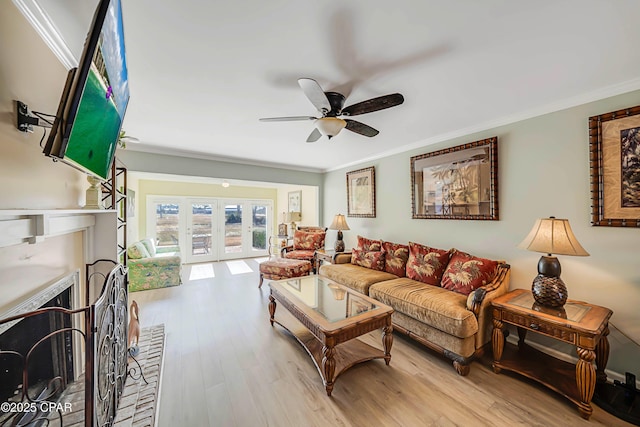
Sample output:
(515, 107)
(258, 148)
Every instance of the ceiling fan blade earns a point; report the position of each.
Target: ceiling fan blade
(314, 136)
(316, 95)
(361, 128)
(374, 104)
(287, 119)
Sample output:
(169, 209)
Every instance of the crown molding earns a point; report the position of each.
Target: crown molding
(43, 25)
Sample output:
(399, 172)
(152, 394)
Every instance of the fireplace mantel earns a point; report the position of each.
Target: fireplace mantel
(18, 226)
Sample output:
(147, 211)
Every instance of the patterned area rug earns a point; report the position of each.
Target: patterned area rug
(138, 404)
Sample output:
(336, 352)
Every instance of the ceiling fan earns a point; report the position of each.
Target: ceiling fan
(330, 106)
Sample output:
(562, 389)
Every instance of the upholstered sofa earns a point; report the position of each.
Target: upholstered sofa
(441, 298)
(152, 267)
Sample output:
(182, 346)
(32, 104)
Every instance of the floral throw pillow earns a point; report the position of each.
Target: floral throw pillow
(369, 259)
(368, 244)
(395, 258)
(137, 251)
(426, 264)
(303, 240)
(466, 273)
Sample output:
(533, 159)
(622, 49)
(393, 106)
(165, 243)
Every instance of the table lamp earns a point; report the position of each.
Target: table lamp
(339, 223)
(292, 217)
(551, 236)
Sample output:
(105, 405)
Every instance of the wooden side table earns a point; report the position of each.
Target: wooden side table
(325, 255)
(583, 325)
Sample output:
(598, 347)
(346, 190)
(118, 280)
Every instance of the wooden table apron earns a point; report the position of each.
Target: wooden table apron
(589, 336)
(321, 345)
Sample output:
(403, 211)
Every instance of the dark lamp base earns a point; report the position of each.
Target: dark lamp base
(549, 291)
(339, 245)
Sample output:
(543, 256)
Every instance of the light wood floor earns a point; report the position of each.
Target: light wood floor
(226, 366)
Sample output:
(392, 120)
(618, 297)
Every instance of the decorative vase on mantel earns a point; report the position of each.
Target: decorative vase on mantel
(93, 194)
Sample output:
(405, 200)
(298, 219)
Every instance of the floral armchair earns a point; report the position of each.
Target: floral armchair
(306, 240)
(151, 267)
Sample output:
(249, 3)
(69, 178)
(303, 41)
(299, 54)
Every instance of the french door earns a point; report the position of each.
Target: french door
(247, 227)
(210, 229)
(201, 236)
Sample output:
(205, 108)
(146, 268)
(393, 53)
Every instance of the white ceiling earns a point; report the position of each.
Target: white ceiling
(202, 73)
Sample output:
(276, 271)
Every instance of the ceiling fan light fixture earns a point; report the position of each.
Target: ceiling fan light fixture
(330, 126)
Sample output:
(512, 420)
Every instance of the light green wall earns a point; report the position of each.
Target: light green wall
(543, 171)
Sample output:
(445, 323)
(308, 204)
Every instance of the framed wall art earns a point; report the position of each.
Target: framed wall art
(456, 183)
(295, 201)
(614, 157)
(361, 193)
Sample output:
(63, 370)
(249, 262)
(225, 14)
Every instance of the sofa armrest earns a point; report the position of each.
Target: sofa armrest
(342, 258)
(165, 249)
(479, 301)
(286, 249)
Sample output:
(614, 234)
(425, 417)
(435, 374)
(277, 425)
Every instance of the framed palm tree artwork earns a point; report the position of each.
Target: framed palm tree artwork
(460, 182)
(614, 153)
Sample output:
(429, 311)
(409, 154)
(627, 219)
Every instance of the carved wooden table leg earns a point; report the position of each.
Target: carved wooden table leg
(602, 356)
(387, 341)
(497, 343)
(585, 380)
(522, 334)
(329, 367)
(272, 308)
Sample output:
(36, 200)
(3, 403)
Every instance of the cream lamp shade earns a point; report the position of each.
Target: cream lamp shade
(551, 236)
(292, 217)
(339, 223)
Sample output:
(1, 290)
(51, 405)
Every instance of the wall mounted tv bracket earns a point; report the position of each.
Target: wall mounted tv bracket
(27, 120)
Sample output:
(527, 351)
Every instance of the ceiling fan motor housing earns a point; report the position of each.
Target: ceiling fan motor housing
(336, 100)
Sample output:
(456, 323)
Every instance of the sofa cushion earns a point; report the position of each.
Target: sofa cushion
(426, 264)
(368, 259)
(301, 254)
(137, 251)
(150, 245)
(395, 258)
(303, 240)
(466, 272)
(433, 305)
(355, 277)
(369, 244)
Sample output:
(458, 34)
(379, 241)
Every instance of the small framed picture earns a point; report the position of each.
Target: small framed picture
(361, 193)
(295, 201)
(282, 230)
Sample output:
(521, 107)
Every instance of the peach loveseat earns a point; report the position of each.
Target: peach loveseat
(441, 298)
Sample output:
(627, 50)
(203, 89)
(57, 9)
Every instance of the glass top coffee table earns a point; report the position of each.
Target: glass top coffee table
(333, 317)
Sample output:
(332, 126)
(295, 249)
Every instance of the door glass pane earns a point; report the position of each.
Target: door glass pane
(201, 216)
(167, 232)
(232, 229)
(259, 222)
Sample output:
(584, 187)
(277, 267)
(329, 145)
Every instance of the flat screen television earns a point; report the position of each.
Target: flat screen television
(93, 103)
